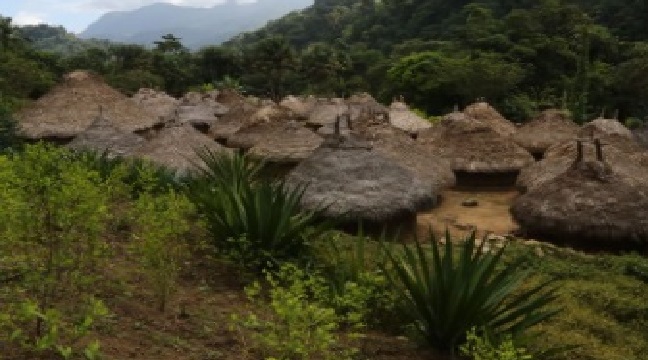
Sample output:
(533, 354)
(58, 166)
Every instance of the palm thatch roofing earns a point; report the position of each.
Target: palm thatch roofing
(175, 147)
(601, 127)
(589, 205)
(71, 106)
(291, 145)
(239, 116)
(403, 118)
(103, 136)
(195, 114)
(325, 114)
(301, 107)
(228, 97)
(472, 146)
(488, 115)
(253, 134)
(551, 127)
(357, 183)
(156, 102)
(626, 160)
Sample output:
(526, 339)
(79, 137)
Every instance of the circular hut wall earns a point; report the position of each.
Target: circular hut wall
(486, 180)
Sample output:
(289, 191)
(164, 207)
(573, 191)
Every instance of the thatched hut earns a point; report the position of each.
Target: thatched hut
(487, 114)
(477, 154)
(175, 147)
(357, 183)
(71, 106)
(589, 205)
(103, 136)
(239, 116)
(601, 127)
(626, 160)
(290, 145)
(551, 127)
(301, 107)
(157, 102)
(326, 113)
(403, 118)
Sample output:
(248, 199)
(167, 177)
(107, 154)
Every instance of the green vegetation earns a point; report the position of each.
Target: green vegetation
(257, 222)
(54, 249)
(298, 324)
(446, 297)
(522, 56)
(83, 234)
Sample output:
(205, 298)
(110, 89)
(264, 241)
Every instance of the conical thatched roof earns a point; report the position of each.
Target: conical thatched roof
(403, 118)
(550, 127)
(239, 116)
(325, 114)
(588, 205)
(626, 160)
(229, 97)
(70, 107)
(291, 145)
(174, 147)
(195, 114)
(157, 102)
(488, 115)
(472, 146)
(103, 136)
(605, 127)
(355, 182)
(301, 107)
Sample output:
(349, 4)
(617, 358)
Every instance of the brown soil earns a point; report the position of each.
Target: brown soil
(491, 215)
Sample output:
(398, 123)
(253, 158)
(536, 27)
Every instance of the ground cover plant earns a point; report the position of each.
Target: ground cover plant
(101, 294)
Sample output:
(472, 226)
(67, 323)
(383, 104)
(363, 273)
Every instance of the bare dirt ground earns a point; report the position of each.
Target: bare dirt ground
(490, 215)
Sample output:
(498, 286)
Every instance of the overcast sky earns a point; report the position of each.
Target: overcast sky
(75, 15)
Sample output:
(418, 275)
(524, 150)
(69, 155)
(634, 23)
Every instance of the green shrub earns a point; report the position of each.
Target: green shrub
(294, 325)
(482, 348)
(161, 223)
(8, 130)
(52, 216)
(447, 296)
(359, 290)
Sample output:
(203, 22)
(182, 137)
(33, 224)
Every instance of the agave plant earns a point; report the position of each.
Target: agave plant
(255, 221)
(446, 294)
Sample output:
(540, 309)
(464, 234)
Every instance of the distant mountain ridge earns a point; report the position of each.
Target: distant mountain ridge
(196, 27)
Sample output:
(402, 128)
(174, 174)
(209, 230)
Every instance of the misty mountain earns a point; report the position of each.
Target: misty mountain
(195, 26)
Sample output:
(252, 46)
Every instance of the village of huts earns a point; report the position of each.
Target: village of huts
(385, 165)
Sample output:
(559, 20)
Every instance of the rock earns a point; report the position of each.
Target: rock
(470, 202)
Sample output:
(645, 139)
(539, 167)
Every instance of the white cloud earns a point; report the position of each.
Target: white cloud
(28, 18)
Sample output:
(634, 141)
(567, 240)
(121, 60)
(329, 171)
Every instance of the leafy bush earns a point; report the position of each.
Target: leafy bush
(161, 223)
(482, 348)
(446, 297)
(8, 130)
(359, 290)
(257, 223)
(52, 215)
(294, 325)
(135, 175)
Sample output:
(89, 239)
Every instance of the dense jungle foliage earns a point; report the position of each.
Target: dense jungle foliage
(521, 55)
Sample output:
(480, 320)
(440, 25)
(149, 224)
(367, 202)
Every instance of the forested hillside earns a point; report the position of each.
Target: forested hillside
(521, 54)
(587, 56)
